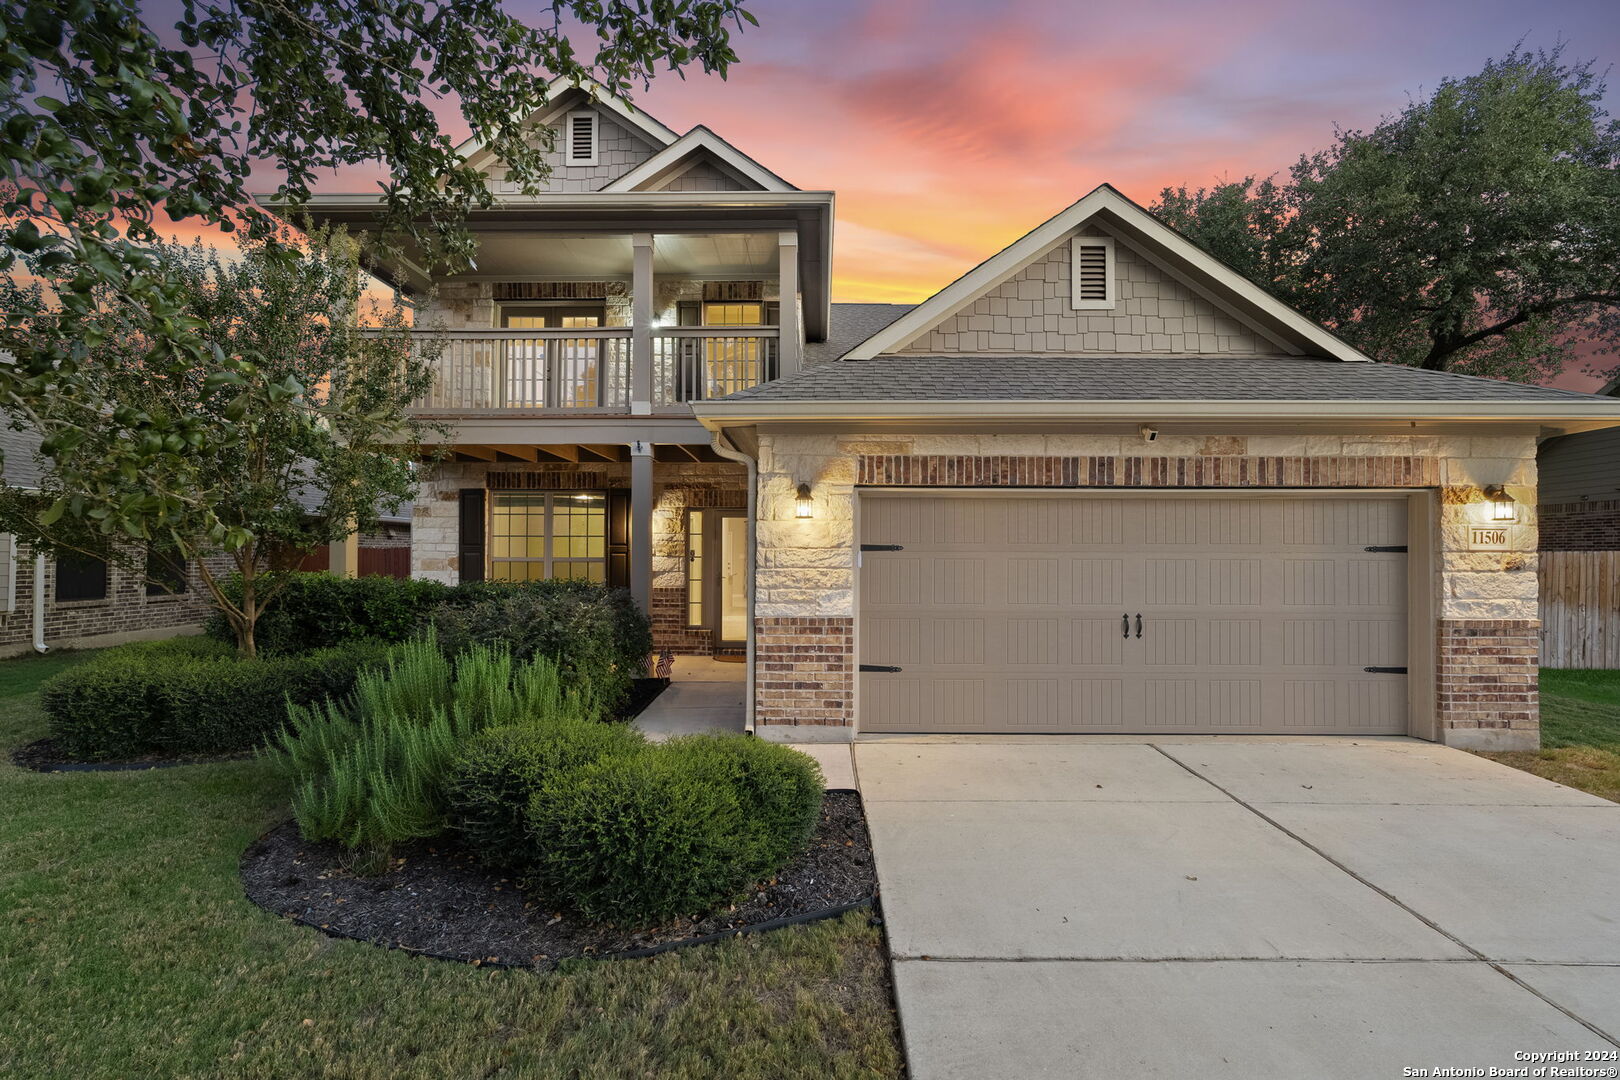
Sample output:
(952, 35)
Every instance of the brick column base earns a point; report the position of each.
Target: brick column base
(1485, 684)
(804, 679)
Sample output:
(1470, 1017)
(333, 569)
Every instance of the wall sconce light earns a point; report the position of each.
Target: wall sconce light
(1503, 507)
(806, 505)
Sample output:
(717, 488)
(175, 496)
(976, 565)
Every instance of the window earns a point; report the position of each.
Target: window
(165, 572)
(694, 568)
(552, 316)
(80, 577)
(745, 314)
(1092, 270)
(579, 138)
(539, 535)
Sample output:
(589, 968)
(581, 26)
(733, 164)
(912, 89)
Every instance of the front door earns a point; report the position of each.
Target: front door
(717, 575)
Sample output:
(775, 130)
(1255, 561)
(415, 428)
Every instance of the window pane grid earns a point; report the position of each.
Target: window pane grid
(535, 536)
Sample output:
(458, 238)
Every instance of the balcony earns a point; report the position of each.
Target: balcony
(576, 372)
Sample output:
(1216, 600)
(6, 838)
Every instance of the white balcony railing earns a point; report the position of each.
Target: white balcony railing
(554, 370)
(575, 371)
(699, 363)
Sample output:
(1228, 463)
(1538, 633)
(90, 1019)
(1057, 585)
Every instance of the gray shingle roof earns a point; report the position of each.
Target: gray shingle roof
(851, 324)
(1049, 378)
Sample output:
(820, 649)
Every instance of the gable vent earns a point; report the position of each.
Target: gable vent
(580, 138)
(1092, 261)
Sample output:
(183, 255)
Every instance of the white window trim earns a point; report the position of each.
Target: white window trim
(569, 158)
(1112, 287)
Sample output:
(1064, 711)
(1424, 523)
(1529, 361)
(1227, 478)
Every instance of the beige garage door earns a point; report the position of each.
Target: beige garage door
(983, 613)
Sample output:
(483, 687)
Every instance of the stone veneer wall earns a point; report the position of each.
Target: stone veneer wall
(806, 569)
(1032, 312)
(1580, 526)
(435, 525)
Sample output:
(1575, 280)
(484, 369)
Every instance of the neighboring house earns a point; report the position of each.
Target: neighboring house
(1100, 483)
(1580, 488)
(85, 602)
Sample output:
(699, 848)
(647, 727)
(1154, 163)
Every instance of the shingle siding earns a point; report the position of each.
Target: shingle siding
(705, 177)
(618, 150)
(1031, 312)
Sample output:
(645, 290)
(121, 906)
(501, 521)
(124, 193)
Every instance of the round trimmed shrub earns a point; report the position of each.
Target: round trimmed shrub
(498, 772)
(640, 839)
(674, 830)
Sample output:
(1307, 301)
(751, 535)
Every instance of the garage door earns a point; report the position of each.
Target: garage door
(984, 613)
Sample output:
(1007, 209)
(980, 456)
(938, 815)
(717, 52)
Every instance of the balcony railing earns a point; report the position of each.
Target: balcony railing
(578, 371)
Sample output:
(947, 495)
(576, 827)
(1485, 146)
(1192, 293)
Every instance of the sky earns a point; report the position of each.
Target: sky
(948, 129)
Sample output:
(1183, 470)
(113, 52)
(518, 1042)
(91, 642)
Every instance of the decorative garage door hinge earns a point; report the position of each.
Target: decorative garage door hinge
(1386, 670)
(882, 547)
(878, 667)
(1389, 547)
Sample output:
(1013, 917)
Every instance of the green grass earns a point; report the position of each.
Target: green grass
(128, 950)
(1580, 732)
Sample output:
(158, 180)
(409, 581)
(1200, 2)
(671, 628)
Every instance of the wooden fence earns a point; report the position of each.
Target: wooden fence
(1580, 609)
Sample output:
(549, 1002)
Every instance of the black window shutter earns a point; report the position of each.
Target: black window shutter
(80, 577)
(618, 567)
(470, 544)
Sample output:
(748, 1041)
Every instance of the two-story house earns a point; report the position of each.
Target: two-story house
(1099, 483)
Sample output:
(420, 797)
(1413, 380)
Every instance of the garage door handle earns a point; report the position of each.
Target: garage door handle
(1125, 626)
(1138, 624)
(1386, 670)
(877, 667)
(1388, 547)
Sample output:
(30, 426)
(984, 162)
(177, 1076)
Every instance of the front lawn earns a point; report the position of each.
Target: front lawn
(1580, 732)
(128, 949)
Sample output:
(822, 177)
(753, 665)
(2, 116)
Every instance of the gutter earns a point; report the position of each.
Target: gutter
(722, 446)
(39, 603)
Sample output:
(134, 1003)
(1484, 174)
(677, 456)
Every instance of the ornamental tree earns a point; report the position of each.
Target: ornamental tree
(289, 432)
(1477, 230)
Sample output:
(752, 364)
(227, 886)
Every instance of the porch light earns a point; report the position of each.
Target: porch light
(1502, 505)
(806, 506)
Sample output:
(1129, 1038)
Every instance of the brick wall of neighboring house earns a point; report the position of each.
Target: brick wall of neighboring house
(127, 613)
(807, 567)
(1581, 526)
(676, 489)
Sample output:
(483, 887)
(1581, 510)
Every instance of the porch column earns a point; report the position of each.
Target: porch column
(641, 510)
(790, 349)
(641, 318)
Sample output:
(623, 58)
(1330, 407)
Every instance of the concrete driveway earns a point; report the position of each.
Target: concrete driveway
(1239, 907)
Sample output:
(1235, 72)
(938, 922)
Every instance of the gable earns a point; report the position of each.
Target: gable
(700, 160)
(702, 176)
(619, 149)
(1230, 314)
(1034, 311)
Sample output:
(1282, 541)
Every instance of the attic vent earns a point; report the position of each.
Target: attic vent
(580, 139)
(1092, 260)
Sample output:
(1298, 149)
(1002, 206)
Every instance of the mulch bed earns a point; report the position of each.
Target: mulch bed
(43, 755)
(438, 902)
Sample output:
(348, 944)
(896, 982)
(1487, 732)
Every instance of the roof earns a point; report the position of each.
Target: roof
(1104, 205)
(850, 325)
(563, 92)
(958, 386)
(698, 142)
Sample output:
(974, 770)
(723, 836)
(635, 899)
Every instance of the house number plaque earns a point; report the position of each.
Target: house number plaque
(1487, 538)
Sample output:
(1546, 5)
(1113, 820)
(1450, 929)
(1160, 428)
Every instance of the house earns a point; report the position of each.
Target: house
(1579, 544)
(1099, 483)
(85, 602)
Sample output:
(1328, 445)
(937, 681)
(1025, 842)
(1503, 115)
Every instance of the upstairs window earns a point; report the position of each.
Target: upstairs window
(1092, 266)
(579, 138)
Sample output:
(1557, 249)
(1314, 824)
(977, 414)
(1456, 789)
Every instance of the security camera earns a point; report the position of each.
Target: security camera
(1149, 434)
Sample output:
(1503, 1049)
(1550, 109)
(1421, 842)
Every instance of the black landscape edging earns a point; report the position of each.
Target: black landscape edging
(865, 902)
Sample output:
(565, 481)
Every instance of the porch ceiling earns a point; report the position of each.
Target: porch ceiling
(520, 255)
(581, 453)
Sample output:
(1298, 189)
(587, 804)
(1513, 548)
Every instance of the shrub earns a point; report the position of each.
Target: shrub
(190, 695)
(498, 772)
(597, 635)
(670, 831)
(317, 610)
(374, 771)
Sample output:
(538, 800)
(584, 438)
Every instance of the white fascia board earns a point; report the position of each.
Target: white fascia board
(1007, 262)
(700, 138)
(714, 414)
(639, 200)
(598, 95)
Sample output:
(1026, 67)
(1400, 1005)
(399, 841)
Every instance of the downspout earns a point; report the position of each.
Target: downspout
(723, 447)
(39, 603)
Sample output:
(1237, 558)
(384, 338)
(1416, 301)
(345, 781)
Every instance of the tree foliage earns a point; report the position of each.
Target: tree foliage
(289, 432)
(110, 126)
(1477, 230)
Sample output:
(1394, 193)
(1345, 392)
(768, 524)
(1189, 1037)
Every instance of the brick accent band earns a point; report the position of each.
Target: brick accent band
(804, 671)
(941, 470)
(1485, 674)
